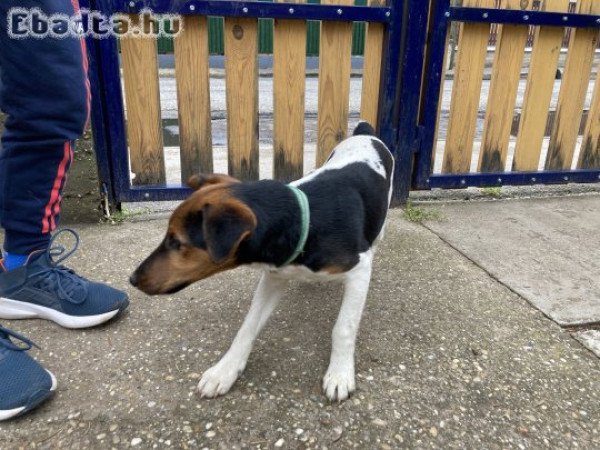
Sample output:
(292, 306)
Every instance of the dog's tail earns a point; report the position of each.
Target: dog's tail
(364, 128)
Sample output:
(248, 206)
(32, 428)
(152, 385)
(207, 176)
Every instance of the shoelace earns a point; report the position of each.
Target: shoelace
(65, 280)
(6, 334)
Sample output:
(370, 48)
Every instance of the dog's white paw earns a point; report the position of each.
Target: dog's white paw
(338, 382)
(219, 378)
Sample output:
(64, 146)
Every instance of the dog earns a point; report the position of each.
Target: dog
(325, 226)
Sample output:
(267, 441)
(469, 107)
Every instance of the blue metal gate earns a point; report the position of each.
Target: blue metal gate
(404, 22)
(443, 15)
(412, 73)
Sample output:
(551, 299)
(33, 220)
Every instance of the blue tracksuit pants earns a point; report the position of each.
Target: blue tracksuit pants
(45, 94)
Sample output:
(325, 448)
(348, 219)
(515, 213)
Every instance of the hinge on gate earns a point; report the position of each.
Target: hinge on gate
(419, 132)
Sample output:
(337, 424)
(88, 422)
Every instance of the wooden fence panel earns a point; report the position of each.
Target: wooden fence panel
(504, 84)
(589, 157)
(369, 107)
(334, 84)
(289, 67)
(573, 91)
(193, 97)
(241, 78)
(142, 96)
(468, 76)
(538, 93)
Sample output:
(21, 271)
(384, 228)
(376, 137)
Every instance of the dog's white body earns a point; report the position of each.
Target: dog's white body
(339, 380)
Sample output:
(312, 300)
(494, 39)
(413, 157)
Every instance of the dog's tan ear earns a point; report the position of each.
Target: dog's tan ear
(225, 226)
(202, 180)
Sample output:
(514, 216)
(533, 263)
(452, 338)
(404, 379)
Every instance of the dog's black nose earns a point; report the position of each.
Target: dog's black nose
(133, 279)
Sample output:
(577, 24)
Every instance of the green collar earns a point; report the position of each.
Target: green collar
(305, 217)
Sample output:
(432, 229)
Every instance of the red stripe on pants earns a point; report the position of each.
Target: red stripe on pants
(52, 209)
(48, 222)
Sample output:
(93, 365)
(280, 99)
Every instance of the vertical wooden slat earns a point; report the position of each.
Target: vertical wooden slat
(334, 83)
(468, 76)
(538, 93)
(572, 91)
(142, 96)
(193, 94)
(241, 78)
(589, 157)
(372, 69)
(289, 68)
(506, 74)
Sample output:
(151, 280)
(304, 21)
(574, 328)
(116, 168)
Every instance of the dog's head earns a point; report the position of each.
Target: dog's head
(202, 239)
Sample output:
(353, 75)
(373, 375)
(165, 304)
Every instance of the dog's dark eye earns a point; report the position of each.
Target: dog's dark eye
(173, 243)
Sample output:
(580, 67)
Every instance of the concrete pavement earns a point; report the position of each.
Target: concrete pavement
(547, 250)
(544, 249)
(448, 357)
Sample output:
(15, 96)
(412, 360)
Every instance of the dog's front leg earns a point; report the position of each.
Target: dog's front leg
(219, 378)
(339, 382)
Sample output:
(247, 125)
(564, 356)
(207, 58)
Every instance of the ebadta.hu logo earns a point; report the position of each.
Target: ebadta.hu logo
(34, 23)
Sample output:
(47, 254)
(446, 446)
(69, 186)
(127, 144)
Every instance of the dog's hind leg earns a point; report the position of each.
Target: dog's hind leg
(338, 382)
(219, 378)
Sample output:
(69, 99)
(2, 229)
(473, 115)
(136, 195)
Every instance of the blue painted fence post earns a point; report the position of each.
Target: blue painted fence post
(108, 114)
(433, 79)
(401, 91)
(98, 118)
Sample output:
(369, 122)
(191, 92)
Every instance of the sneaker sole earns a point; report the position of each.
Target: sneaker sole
(14, 310)
(10, 413)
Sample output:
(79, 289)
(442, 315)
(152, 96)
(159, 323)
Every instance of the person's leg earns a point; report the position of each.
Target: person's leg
(45, 94)
(46, 98)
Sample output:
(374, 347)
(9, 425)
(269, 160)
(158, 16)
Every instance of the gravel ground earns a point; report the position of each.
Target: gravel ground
(447, 358)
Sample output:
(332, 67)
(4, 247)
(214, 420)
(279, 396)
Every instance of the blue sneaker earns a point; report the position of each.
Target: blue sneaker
(43, 289)
(25, 384)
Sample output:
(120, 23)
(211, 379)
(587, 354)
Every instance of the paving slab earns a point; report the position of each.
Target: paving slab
(545, 249)
(590, 339)
(447, 358)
